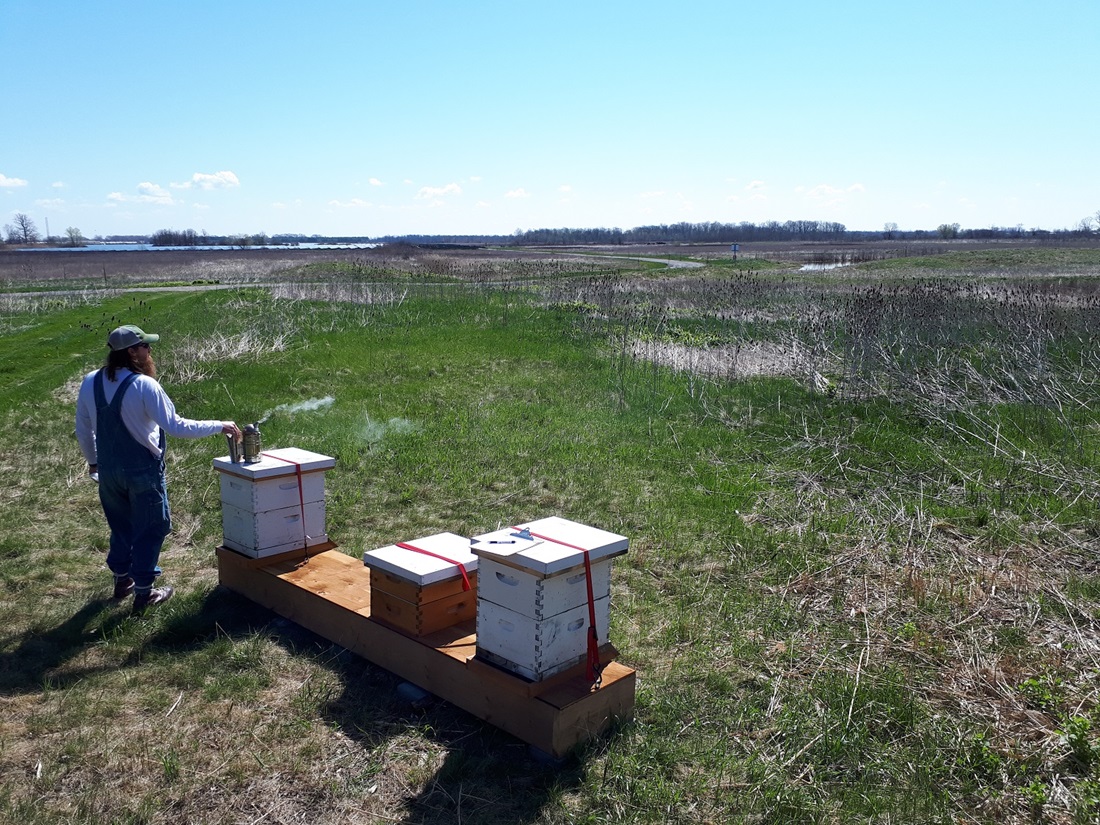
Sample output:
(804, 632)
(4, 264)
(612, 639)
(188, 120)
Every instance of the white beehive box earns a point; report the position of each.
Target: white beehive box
(542, 597)
(273, 531)
(537, 649)
(544, 574)
(276, 504)
(533, 592)
(271, 493)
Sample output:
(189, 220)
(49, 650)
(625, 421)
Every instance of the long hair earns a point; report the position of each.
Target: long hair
(121, 359)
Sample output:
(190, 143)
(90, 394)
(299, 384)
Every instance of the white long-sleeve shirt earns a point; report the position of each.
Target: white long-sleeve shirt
(146, 410)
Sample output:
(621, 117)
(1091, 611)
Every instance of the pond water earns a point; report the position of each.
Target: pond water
(819, 267)
(147, 247)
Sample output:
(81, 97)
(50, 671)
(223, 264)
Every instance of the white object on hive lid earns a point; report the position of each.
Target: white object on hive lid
(548, 546)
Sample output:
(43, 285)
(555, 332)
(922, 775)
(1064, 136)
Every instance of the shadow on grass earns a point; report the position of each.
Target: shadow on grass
(39, 658)
(481, 774)
(485, 775)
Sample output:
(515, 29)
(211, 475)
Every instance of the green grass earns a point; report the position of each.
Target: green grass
(871, 599)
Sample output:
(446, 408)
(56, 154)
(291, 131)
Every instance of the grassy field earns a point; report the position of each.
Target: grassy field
(862, 584)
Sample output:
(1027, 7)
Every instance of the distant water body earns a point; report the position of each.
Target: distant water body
(147, 247)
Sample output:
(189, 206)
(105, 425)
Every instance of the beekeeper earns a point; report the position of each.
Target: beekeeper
(122, 418)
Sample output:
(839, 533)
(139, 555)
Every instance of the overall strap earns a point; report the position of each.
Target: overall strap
(121, 450)
(116, 402)
(101, 396)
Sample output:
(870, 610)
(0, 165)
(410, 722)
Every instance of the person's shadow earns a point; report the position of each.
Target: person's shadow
(39, 656)
(486, 774)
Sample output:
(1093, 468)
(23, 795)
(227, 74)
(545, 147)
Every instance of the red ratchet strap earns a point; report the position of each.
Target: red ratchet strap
(593, 670)
(461, 568)
(301, 495)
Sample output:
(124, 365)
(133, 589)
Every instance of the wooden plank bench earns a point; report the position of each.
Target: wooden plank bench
(328, 593)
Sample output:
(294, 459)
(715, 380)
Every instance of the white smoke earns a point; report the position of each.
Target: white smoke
(374, 432)
(301, 406)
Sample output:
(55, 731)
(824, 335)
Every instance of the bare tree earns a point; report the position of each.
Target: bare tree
(75, 236)
(26, 231)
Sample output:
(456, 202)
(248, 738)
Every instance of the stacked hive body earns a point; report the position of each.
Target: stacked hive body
(274, 505)
(424, 585)
(533, 597)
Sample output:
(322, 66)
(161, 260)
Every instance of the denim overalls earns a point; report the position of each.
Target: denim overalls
(132, 491)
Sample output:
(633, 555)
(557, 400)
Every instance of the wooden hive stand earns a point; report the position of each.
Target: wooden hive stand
(328, 592)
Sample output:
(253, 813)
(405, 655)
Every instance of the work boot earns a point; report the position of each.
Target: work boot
(124, 586)
(158, 595)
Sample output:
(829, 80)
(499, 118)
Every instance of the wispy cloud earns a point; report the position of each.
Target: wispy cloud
(518, 193)
(11, 183)
(354, 203)
(375, 182)
(828, 195)
(50, 203)
(203, 180)
(757, 191)
(146, 193)
(430, 192)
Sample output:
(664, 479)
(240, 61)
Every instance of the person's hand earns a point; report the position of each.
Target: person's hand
(230, 428)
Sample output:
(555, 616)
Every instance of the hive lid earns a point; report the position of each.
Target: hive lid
(549, 545)
(277, 462)
(421, 568)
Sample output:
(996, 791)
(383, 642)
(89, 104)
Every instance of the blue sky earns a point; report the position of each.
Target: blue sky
(427, 117)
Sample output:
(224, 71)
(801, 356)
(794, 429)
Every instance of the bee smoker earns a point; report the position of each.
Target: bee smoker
(235, 454)
(250, 443)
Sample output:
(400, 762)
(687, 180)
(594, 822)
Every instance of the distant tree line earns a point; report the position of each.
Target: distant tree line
(189, 237)
(23, 231)
(743, 232)
(172, 237)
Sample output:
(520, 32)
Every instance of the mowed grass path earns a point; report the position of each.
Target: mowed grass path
(839, 610)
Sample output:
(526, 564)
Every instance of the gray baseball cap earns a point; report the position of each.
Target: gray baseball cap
(128, 336)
